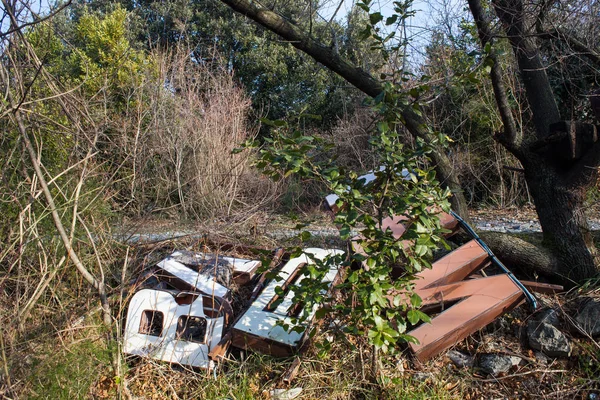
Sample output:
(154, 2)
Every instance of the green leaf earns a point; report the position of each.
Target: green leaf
(415, 300)
(304, 236)
(420, 250)
(378, 322)
(364, 6)
(413, 317)
(375, 18)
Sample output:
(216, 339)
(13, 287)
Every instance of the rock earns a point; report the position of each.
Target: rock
(461, 360)
(494, 364)
(422, 376)
(516, 360)
(547, 315)
(285, 394)
(588, 318)
(548, 339)
(542, 358)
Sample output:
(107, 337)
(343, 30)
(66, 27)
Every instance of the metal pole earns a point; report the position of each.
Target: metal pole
(530, 298)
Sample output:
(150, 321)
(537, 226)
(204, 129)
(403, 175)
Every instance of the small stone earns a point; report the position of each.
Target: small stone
(422, 376)
(515, 360)
(548, 339)
(547, 315)
(461, 360)
(588, 318)
(285, 394)
(542, 358)
(494, 364)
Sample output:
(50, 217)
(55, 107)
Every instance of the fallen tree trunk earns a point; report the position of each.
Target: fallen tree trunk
(519, 254)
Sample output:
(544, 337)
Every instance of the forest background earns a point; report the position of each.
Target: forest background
(115, 112)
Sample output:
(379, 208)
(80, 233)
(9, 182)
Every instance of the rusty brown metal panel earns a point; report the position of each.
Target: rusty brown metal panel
(454, 266)
(248, 341)
(483, 300)
(397, 224)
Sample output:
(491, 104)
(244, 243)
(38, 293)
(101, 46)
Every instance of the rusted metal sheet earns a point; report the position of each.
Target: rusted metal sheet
(464, 306)
(397, 225)
(453, 267)
(259, 328)
(480, 301)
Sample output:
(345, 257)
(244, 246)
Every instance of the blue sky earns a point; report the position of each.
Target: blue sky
(430, 14)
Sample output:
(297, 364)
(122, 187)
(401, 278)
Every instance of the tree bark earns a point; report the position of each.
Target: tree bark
(533, 71)
(524, 255)
(362, 80)
(557, 186)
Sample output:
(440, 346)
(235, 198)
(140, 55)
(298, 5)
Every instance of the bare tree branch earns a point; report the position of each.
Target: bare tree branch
(362, 80)
(512, 136)
(573, 42)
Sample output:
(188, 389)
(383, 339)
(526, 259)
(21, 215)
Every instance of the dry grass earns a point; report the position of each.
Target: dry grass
(65, 352)
(178, 137)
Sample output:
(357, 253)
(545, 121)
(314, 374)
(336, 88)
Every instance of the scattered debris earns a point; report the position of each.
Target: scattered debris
(182, 312)
(175, 327)
(480, 300)
(588, 318)
(288, 376)
(285, 394)
(422, 376)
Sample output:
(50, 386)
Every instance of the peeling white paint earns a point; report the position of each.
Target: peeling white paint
(166, 346)
(260, 322)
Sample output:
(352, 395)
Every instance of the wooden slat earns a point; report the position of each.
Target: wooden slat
(544, 288)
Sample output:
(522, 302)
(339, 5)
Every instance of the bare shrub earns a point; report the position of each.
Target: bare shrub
(191, 117)
(351, 139)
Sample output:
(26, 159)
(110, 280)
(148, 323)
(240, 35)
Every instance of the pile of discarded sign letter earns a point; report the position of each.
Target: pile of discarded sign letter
(183, 314)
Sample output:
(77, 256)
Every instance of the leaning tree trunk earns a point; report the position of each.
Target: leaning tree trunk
(560, 158)
(361, 79)
(559, 201)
